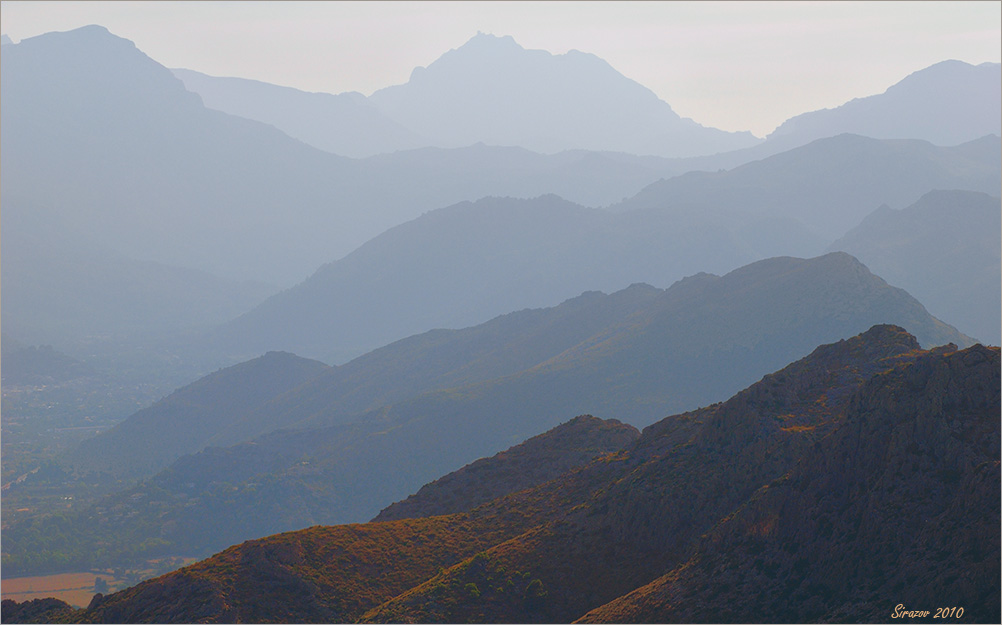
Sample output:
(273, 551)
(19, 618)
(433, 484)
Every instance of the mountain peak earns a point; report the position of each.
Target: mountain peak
(92, 34)
(492, 90)
(482, 40)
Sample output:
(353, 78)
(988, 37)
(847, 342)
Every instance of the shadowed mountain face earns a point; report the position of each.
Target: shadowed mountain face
(772, 485)
(537, 460)
(494, 91)
(898, 507)
(945, 250)
(372, 431)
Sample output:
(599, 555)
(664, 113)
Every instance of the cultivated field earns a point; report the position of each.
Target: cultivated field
(73, 588)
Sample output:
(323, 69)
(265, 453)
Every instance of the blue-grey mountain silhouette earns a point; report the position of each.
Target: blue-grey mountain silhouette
(494, 91)
(945, 250)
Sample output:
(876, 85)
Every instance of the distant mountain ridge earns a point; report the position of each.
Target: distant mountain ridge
(491, 89)
(108, 143)
(463, 264)
(345, 124)
(948, 103)
(529, 464)
(946, 250)
(811, 184)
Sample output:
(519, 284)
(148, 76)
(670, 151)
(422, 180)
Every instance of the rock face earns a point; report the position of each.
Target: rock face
(899, 506)
(861, 477)
(46, 610)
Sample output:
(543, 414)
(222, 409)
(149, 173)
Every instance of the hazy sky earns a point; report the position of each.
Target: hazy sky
(732, 65)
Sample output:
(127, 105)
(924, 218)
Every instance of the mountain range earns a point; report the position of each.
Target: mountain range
(348, 441)
(491, 90)
(835, 493)
(463, 264)
(107, 142)
(105, 148)
(447, 245)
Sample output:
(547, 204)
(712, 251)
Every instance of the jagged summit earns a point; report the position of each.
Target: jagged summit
(490, 41)
(493, 90)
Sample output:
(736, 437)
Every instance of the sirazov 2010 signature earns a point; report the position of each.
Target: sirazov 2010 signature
(901, 612)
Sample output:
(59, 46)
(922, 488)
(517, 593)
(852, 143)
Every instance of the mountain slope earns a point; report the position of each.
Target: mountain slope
(831, 184)
(61, 288)
(652, 512)
(494, 91)
(537, 460)
(344, 124)
(948, 103)
(945, 250)
(898, 507)
(692, 488)
(186, 420)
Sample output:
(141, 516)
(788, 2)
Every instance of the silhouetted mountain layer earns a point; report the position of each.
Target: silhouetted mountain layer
(945, 250)
(948, 103)
(830, 185)
(344, 124)
(60, 288)
(39, 365)
(192, 417)
(859, 477)
(107, 143)
(463, 264)
(494, 91)
(361, 442)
